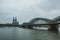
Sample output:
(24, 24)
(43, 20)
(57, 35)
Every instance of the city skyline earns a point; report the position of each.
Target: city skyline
(25, 10)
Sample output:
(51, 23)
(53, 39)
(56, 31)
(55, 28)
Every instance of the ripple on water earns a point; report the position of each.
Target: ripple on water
(27, 34)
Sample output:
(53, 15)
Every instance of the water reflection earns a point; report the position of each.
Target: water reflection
(27, 34)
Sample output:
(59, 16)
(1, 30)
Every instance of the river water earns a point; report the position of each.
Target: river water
(15, 33)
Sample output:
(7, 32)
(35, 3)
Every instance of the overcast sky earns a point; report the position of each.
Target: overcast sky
(25, 10)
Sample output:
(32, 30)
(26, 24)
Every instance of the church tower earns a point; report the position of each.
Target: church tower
(15, 22)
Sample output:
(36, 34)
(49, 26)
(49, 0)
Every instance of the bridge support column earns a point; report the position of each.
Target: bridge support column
(53, 27)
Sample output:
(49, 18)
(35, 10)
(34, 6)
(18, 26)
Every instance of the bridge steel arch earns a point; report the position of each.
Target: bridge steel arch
(40, 21)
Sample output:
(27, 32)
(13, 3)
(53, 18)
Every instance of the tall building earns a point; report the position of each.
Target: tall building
(15, 22)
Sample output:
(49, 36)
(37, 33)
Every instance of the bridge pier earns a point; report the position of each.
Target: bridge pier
(53, 27)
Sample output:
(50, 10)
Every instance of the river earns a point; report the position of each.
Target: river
(15, 33)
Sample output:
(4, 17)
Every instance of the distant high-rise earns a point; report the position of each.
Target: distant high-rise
(15, 22)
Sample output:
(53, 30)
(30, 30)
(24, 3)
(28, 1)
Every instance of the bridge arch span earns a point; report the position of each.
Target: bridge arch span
(40, 21)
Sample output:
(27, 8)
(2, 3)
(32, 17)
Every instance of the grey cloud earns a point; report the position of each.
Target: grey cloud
(47, 9)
